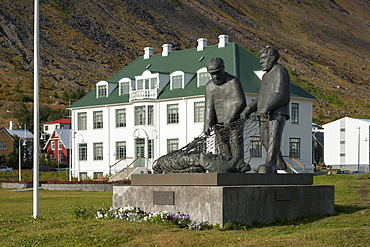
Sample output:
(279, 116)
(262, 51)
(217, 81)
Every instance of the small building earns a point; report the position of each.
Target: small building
(347, 144)
(8, 138)
(59, 146)
(155, 105)
(49, 127)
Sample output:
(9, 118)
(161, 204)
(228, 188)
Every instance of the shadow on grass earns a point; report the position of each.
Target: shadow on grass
(338, 209)
(347, 209)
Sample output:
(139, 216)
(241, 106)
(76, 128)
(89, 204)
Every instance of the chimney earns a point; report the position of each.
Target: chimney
(223, 40)
(202, 42)
(166, 49)
(148, 51)
(11, 125)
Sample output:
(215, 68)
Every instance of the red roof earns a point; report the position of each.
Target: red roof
(62, 120)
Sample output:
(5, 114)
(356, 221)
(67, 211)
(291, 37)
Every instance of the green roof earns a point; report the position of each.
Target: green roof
(238, 62)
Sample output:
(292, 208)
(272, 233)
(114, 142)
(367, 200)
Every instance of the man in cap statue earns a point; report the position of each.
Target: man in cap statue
(272, 107)
(224, 102)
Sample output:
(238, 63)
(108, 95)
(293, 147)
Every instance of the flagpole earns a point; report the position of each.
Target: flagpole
(36, 144)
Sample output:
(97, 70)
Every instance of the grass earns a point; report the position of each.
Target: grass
(59, 226)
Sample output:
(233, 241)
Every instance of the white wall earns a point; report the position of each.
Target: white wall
(186, 130)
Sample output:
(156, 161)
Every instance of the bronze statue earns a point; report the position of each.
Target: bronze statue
(224, 102)
(272, 107)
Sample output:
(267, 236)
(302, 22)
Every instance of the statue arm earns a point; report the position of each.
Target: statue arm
(252, 107)
(209, 113)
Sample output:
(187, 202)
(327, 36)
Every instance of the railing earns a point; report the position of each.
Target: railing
(144, 94)
(296, 166)
(121, 159)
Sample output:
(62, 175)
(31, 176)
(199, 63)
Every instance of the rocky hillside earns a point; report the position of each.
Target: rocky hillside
(324, 43)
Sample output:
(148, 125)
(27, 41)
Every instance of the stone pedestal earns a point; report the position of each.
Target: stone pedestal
(221, 198)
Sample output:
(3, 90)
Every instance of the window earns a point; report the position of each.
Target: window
(97, 175)
(120, 150)
(52, 145)
(120, 118)
(82, 121)
(125, 87)
(150, 115)
(256, 146)
(60, 145)
(82, 151)
(295, 113)
(140, 84)
(176, 81)
(203, 78)
(102, 91)
(172, 145)
(60, 158)
(295, 147)
(46, 128)
(52, 157)
(83, 175)
(98, 119)
(3, 145)
(98, 151)
(150, 149)
(199, 112)
(153, 83)
(172, 114)
(139, 115)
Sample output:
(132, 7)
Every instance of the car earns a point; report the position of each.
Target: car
(357, 172)
(5, 169)
(46, 168)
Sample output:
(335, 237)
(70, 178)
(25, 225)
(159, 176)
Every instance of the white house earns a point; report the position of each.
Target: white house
(347, 144)
(156, 105)
(49, 127)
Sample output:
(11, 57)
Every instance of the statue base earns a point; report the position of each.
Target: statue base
(222, 197)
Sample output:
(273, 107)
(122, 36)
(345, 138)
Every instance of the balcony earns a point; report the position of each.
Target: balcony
(144, 94)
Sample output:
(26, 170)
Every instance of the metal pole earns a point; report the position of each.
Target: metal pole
(36, 117)
(19, 161)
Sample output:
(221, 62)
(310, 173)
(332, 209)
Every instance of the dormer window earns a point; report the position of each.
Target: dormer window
(203, 77)
(124, 86)
(176, 81)
(102, 90)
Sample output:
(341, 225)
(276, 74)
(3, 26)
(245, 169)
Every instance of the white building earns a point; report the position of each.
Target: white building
(156, 105)
(347, 144)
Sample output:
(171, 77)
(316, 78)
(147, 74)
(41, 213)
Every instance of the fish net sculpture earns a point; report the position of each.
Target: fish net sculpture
(225, 149)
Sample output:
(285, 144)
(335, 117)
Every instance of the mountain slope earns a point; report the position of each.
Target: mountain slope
(324, 43)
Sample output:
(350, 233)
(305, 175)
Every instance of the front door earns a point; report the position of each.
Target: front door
(140, 152)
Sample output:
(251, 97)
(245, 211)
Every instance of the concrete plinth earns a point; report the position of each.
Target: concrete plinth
(220, 204)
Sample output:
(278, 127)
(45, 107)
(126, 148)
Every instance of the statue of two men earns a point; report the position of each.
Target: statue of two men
(225, 103)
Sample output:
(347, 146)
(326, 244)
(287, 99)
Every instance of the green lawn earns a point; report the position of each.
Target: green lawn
(59, 226)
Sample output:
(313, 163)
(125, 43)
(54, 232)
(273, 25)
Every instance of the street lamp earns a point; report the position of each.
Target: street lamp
(20, 157)
(78, 156)
(358, 151)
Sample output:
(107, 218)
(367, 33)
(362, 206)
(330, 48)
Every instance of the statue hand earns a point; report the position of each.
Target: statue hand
(245, 114)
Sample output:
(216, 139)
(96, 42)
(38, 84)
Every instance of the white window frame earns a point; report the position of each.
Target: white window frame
(121, 118)
(199, 73)
(52, 145)
(123, 84)
(199, 108)
(82, 120)
(172, 110)
(294, 109)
